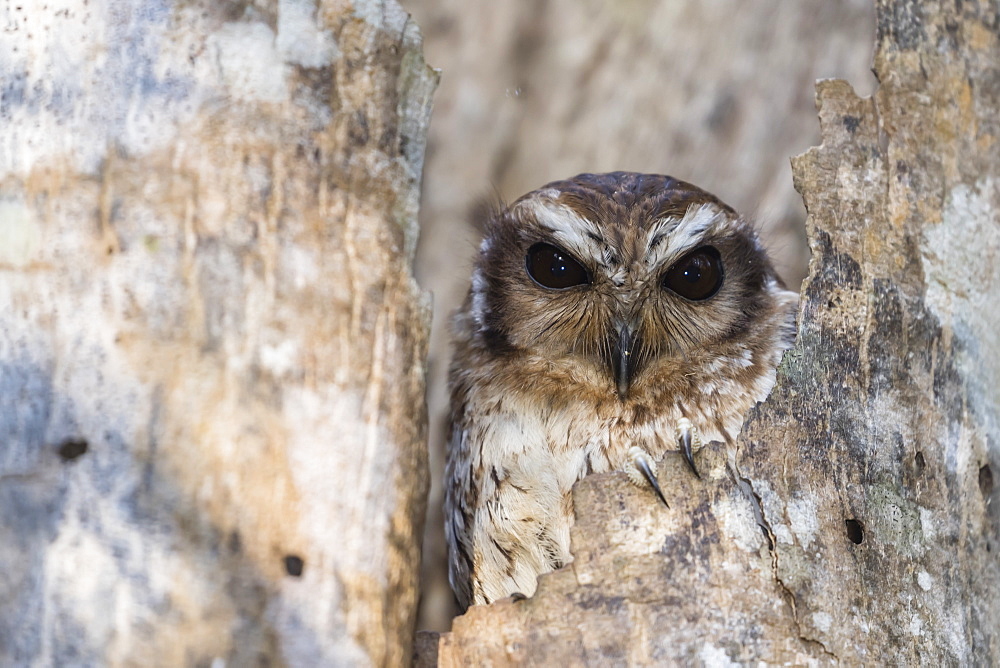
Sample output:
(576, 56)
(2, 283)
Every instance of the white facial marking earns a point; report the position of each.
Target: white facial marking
(684, 234)
(569, 229)
(479, 299)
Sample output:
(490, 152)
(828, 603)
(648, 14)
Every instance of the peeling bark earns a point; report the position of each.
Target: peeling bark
(211, 345)
(862, 522)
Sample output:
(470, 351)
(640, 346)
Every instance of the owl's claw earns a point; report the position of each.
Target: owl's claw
(688, 438)
(643, 470)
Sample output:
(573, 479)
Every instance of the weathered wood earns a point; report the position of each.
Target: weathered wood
(870, 467)
(212, 435)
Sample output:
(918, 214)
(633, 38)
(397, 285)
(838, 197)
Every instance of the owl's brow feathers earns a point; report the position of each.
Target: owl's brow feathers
(582, 236)
(616, 219)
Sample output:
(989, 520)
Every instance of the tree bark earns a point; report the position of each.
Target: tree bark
(212, 348)
(862, 521)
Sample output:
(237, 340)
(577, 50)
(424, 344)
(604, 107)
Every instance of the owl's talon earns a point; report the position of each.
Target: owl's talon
(641, 464)
(517, 597)
(688, 438)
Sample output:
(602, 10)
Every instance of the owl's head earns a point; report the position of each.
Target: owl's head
(629, 275)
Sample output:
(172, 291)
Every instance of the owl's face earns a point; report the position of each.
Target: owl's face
(632, 278)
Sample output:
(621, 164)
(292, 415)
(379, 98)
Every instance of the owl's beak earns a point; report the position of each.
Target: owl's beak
(623, 359)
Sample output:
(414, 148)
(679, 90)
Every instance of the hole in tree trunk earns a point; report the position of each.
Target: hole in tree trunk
(855, 531)
(72, 448)
(294, 565)
(986, 480)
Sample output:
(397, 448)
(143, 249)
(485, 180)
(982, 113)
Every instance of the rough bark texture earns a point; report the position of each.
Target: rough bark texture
(211, 345)
(718, 93)
(870, 467)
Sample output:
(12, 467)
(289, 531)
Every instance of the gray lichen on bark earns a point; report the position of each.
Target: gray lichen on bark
(871, 464)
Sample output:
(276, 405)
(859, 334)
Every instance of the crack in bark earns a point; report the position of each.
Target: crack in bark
(746, 486)
(20, 476)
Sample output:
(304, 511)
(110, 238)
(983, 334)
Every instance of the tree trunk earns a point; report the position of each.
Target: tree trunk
(862, 524)
(211, 344)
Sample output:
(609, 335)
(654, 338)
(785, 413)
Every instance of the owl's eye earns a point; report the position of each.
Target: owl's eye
(697, 275)
(554, 268)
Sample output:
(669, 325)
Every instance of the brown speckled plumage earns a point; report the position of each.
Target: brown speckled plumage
(535, 405)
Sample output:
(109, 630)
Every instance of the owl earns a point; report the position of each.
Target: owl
(611, 318)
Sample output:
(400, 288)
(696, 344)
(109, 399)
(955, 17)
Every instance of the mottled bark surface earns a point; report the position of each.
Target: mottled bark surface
(717, 93)
(211, 345)
(871, 466)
